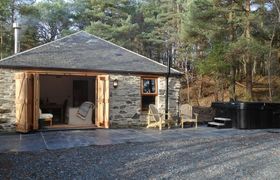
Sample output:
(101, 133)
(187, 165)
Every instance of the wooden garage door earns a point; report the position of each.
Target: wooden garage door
(102, 101)
(27, 101)
(24, 102)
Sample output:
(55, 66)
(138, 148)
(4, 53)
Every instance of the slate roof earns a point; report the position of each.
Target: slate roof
(83, 51)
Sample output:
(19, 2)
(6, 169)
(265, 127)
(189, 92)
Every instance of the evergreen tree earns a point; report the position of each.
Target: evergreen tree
(113, 21)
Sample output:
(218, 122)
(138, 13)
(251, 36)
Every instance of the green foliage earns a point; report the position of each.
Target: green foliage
(54, 17)
(113, 21)
(247, 46)
(9, 13)
(4, 10)
(215, 64)
(201, 21)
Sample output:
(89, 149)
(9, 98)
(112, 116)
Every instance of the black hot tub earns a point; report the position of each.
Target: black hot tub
(249, 115)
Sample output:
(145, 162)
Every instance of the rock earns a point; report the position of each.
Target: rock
(123, 112)
(161, 92)
(118, 116)
(128, 102)
(136, 116)
(3, 101)
(2, 111)
(122, 106)
(4, 120)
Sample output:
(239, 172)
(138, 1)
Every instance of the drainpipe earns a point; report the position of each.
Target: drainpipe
(167, 86)
(1, 46)
(16, 37)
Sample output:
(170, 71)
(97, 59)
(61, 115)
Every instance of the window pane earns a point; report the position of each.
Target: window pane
(146, 101)
(149, 86)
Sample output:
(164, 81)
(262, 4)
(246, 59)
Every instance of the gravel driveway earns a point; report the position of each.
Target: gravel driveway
(255, 156)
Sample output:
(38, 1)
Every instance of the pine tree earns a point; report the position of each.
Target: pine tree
(113, 21)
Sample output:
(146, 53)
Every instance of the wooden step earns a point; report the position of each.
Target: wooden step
(216, 124)
(222, 119)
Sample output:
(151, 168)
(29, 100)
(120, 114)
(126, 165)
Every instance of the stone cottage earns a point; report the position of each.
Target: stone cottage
(59, 76)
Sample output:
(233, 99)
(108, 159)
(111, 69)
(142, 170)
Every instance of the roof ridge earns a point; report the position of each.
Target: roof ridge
(130, 51)
(20, 53)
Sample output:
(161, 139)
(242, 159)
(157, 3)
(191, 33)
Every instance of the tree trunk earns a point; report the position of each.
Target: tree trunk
(238, 71)
(269, 64)
(232, 94)
(249, 79)
(188, 87)
(248, 60)
(13, 11)
(222, 91)
(216, 93)
(200, 87)
(188, 80)
(1, 41)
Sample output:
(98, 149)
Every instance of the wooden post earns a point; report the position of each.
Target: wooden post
(36, 100)
(102, 101)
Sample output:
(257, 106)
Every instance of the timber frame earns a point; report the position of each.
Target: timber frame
(143, 77)
(28, 97)
(156, 85)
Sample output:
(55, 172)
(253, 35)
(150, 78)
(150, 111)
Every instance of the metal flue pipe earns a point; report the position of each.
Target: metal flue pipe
(167, 86)
(16, 37)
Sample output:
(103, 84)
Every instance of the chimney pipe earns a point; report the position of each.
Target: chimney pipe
(16, 36)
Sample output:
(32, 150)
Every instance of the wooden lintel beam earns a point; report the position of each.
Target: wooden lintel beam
(63, 73)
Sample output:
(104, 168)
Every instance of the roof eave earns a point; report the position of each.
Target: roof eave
(89, 70)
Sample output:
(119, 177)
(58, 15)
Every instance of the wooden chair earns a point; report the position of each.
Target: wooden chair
(156, 119)
(186, 115)
(46, 116)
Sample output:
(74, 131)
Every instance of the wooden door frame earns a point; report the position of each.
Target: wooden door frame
(102, 101)
(38, 73)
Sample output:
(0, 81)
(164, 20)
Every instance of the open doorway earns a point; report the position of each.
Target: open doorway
(61, 96)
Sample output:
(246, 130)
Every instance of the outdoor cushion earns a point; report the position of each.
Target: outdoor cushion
(84, 109)
(46, 116)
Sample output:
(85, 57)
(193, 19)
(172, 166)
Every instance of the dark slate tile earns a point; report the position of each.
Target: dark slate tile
(83, 51)
(31, 142)
(9, 142)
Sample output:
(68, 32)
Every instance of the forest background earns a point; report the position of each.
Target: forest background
(228, 49)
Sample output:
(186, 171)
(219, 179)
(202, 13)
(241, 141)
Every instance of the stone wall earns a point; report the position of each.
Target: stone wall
(7, 100)
(125, 100)
(173, 94)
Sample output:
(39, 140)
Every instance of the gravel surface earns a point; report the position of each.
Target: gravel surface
(255, 156)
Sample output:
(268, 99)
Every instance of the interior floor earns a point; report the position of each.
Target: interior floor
(61, 96)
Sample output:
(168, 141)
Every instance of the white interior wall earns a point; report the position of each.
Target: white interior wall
(59, 88)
